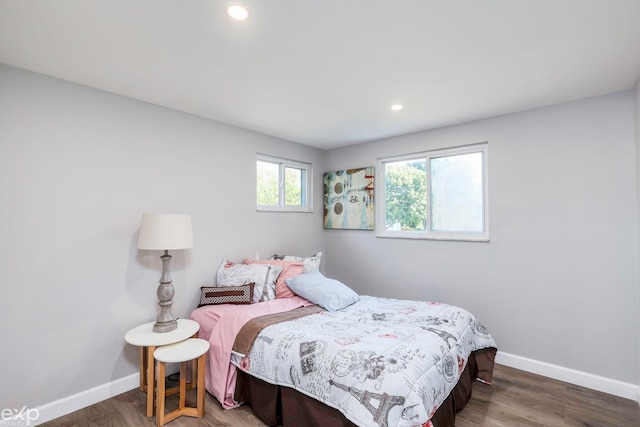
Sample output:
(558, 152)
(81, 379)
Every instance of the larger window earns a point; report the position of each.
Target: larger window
(283, 185)
(439, 194)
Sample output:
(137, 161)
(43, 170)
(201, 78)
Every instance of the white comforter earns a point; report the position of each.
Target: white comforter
(379, 361)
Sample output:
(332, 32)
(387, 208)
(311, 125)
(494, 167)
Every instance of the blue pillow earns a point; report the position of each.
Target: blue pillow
(329, 294)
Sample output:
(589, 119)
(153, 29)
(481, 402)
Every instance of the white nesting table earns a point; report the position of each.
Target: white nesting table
(144, 337)
(193, 349)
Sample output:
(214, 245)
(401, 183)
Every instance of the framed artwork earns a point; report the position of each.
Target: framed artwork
(348, 199)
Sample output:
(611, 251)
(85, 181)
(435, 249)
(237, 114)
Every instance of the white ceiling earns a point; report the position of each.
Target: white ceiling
(325, 72)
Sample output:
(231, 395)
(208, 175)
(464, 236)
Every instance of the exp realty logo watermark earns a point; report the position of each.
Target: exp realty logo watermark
(19, 417)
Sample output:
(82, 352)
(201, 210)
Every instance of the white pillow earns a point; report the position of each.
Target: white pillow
(310, 263)
(264, 276)
(329, 294)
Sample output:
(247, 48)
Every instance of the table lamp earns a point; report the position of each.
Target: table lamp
(165, 232)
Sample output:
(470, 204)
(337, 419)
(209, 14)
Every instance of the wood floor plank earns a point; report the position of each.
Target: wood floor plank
(592, 408)
(519, 398)
(516, 399)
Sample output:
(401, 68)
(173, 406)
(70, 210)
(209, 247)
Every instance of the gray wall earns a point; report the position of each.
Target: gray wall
(558, 281)
(637, 98)
(78, 167)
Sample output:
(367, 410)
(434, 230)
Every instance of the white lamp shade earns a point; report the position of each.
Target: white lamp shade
(165, 232)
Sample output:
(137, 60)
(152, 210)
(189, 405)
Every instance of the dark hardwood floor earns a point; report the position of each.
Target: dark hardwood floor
(519, 398)
(516, 398)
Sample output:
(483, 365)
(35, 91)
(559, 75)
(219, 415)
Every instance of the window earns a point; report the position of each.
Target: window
(283, 185)
(439, 194)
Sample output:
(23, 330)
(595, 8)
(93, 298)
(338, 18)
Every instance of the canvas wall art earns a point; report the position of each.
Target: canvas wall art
(348, 199)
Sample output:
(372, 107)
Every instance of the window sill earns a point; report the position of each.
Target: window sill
(280, 209)
(457, 237)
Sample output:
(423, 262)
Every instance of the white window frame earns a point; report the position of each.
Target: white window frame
(428, 233)
(307, 194)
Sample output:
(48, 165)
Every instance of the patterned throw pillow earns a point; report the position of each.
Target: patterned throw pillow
(211, 295)
(311, 262)
(264, 277)
(289, 269)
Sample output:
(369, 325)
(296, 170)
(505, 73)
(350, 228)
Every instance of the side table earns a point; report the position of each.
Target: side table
(144, 337)
(195, 350)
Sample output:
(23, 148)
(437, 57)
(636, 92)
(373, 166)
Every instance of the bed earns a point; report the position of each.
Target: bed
(373, 361)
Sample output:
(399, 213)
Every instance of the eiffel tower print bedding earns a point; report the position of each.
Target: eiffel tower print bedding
(379, 361)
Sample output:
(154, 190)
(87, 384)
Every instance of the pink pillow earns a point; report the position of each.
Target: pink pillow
(289, 269)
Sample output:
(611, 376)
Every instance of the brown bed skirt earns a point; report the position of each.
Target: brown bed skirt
(284, 406)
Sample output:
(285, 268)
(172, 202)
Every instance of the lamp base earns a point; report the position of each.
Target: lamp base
(167, 326)
(165, 321)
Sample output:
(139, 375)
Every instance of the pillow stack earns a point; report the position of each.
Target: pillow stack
(257, 280)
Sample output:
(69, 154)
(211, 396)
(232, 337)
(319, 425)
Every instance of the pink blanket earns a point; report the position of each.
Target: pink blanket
(219, 324)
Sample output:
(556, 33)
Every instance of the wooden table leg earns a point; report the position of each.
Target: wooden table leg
(143, 369)
(183, 384)
(194, 364)
(194, 371)
(160, 418)
(200, 383)
(151, 377)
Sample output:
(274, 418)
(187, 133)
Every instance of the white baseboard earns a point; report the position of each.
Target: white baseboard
(86, 398)
(572, 376)
(97, 394)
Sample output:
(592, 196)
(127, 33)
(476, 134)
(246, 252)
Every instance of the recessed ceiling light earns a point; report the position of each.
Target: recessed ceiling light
(237, 12)
(396, 107)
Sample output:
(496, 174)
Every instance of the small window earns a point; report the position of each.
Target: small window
(438, 194)
(283, 185)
